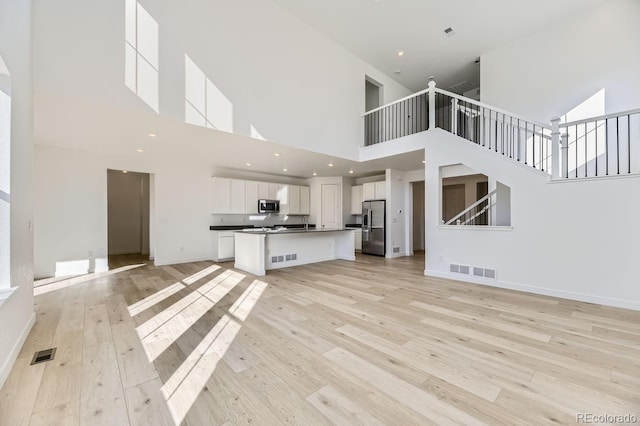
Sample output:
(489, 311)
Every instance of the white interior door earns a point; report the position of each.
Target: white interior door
(331, 207)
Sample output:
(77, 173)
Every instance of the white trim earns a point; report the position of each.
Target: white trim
(395, 102)
(475, 228)
(601, 118)
(15, 351)
(400, 254)
(501, 111)
(255, 271)
(580, 297)
(178, 261)
(592, 178)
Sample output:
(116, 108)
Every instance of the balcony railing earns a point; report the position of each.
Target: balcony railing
(601, 146)
(608, 145)
(505, 133)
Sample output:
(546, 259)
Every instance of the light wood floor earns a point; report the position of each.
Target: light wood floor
(367, 342)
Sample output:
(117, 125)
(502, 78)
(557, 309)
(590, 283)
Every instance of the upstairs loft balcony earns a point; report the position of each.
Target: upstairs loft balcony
(600, 146)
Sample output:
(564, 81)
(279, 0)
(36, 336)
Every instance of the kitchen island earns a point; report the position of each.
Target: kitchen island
(257, 251)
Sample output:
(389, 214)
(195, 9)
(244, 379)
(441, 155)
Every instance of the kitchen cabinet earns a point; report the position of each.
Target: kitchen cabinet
(220, 195)
(237, 197)
(356, 199)
(357, 234)
(381, 190)
(294, 200)
(263, 190)
(374, 191)
(305, 207)
(274, 191)
(251, 197)
(223, 245)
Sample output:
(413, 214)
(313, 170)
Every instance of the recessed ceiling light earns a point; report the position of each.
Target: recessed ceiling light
(315, 173)
(124, 171)
(140, 150)
(351, 172)
(276, 154)
(330, 164)
(152, 135)
(248, 164)
(400, 52)
(284, 170)
(423, 162)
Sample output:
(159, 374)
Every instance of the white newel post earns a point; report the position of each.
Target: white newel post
(555, 148)
(565, 154)
(432, 103)
(454, 116)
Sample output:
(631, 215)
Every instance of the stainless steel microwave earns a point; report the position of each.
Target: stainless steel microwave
(268, 206)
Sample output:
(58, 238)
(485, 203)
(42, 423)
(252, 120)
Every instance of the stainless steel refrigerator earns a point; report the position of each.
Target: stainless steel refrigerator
(373, 223)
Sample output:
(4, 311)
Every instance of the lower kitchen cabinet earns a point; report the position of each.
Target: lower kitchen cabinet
(357, 234)
(223, 245)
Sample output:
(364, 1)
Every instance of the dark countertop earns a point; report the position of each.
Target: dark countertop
(259, 231)
(241, 227)
(353, 225)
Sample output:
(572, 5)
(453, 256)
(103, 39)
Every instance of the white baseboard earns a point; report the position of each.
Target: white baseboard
(15, 350)
(400, 254)
(163, 262)
(580, 297)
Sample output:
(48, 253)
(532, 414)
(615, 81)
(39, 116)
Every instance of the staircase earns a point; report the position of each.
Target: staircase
(608, 145)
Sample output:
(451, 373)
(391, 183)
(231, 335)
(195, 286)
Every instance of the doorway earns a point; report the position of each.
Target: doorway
(453, 201)
(331, 207)
(128, 212)
(418, 217)
(373, 94)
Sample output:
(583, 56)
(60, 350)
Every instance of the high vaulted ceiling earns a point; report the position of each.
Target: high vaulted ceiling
(376, 30)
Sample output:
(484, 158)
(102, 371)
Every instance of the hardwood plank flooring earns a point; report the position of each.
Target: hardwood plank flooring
(368, 342)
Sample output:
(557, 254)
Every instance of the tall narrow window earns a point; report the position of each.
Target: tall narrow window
(5, 174)
(141, 53)
(205, 105)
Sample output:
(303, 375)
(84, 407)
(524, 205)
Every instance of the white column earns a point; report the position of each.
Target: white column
(565, 154)
(432, 103)
(555, 148)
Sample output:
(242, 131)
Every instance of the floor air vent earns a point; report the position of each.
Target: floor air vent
(484, 272)
(43, 356)
(459, 269)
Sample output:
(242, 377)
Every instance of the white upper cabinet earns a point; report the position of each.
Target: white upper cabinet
(237, 197)
(274, 191)
(374, 191)
(356, 199)
(294, 200)
(263, 191)
(305, 207)
(381, 190)
(251, 197)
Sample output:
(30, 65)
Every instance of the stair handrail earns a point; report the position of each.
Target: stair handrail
(601, 117)
(465, 211)
(483, 105)
(413, 95)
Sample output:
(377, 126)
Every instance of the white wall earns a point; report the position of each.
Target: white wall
(292, 84)
(16, 313)
(78, 181)
(549, 73)
(566, 239)
(397, 199)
